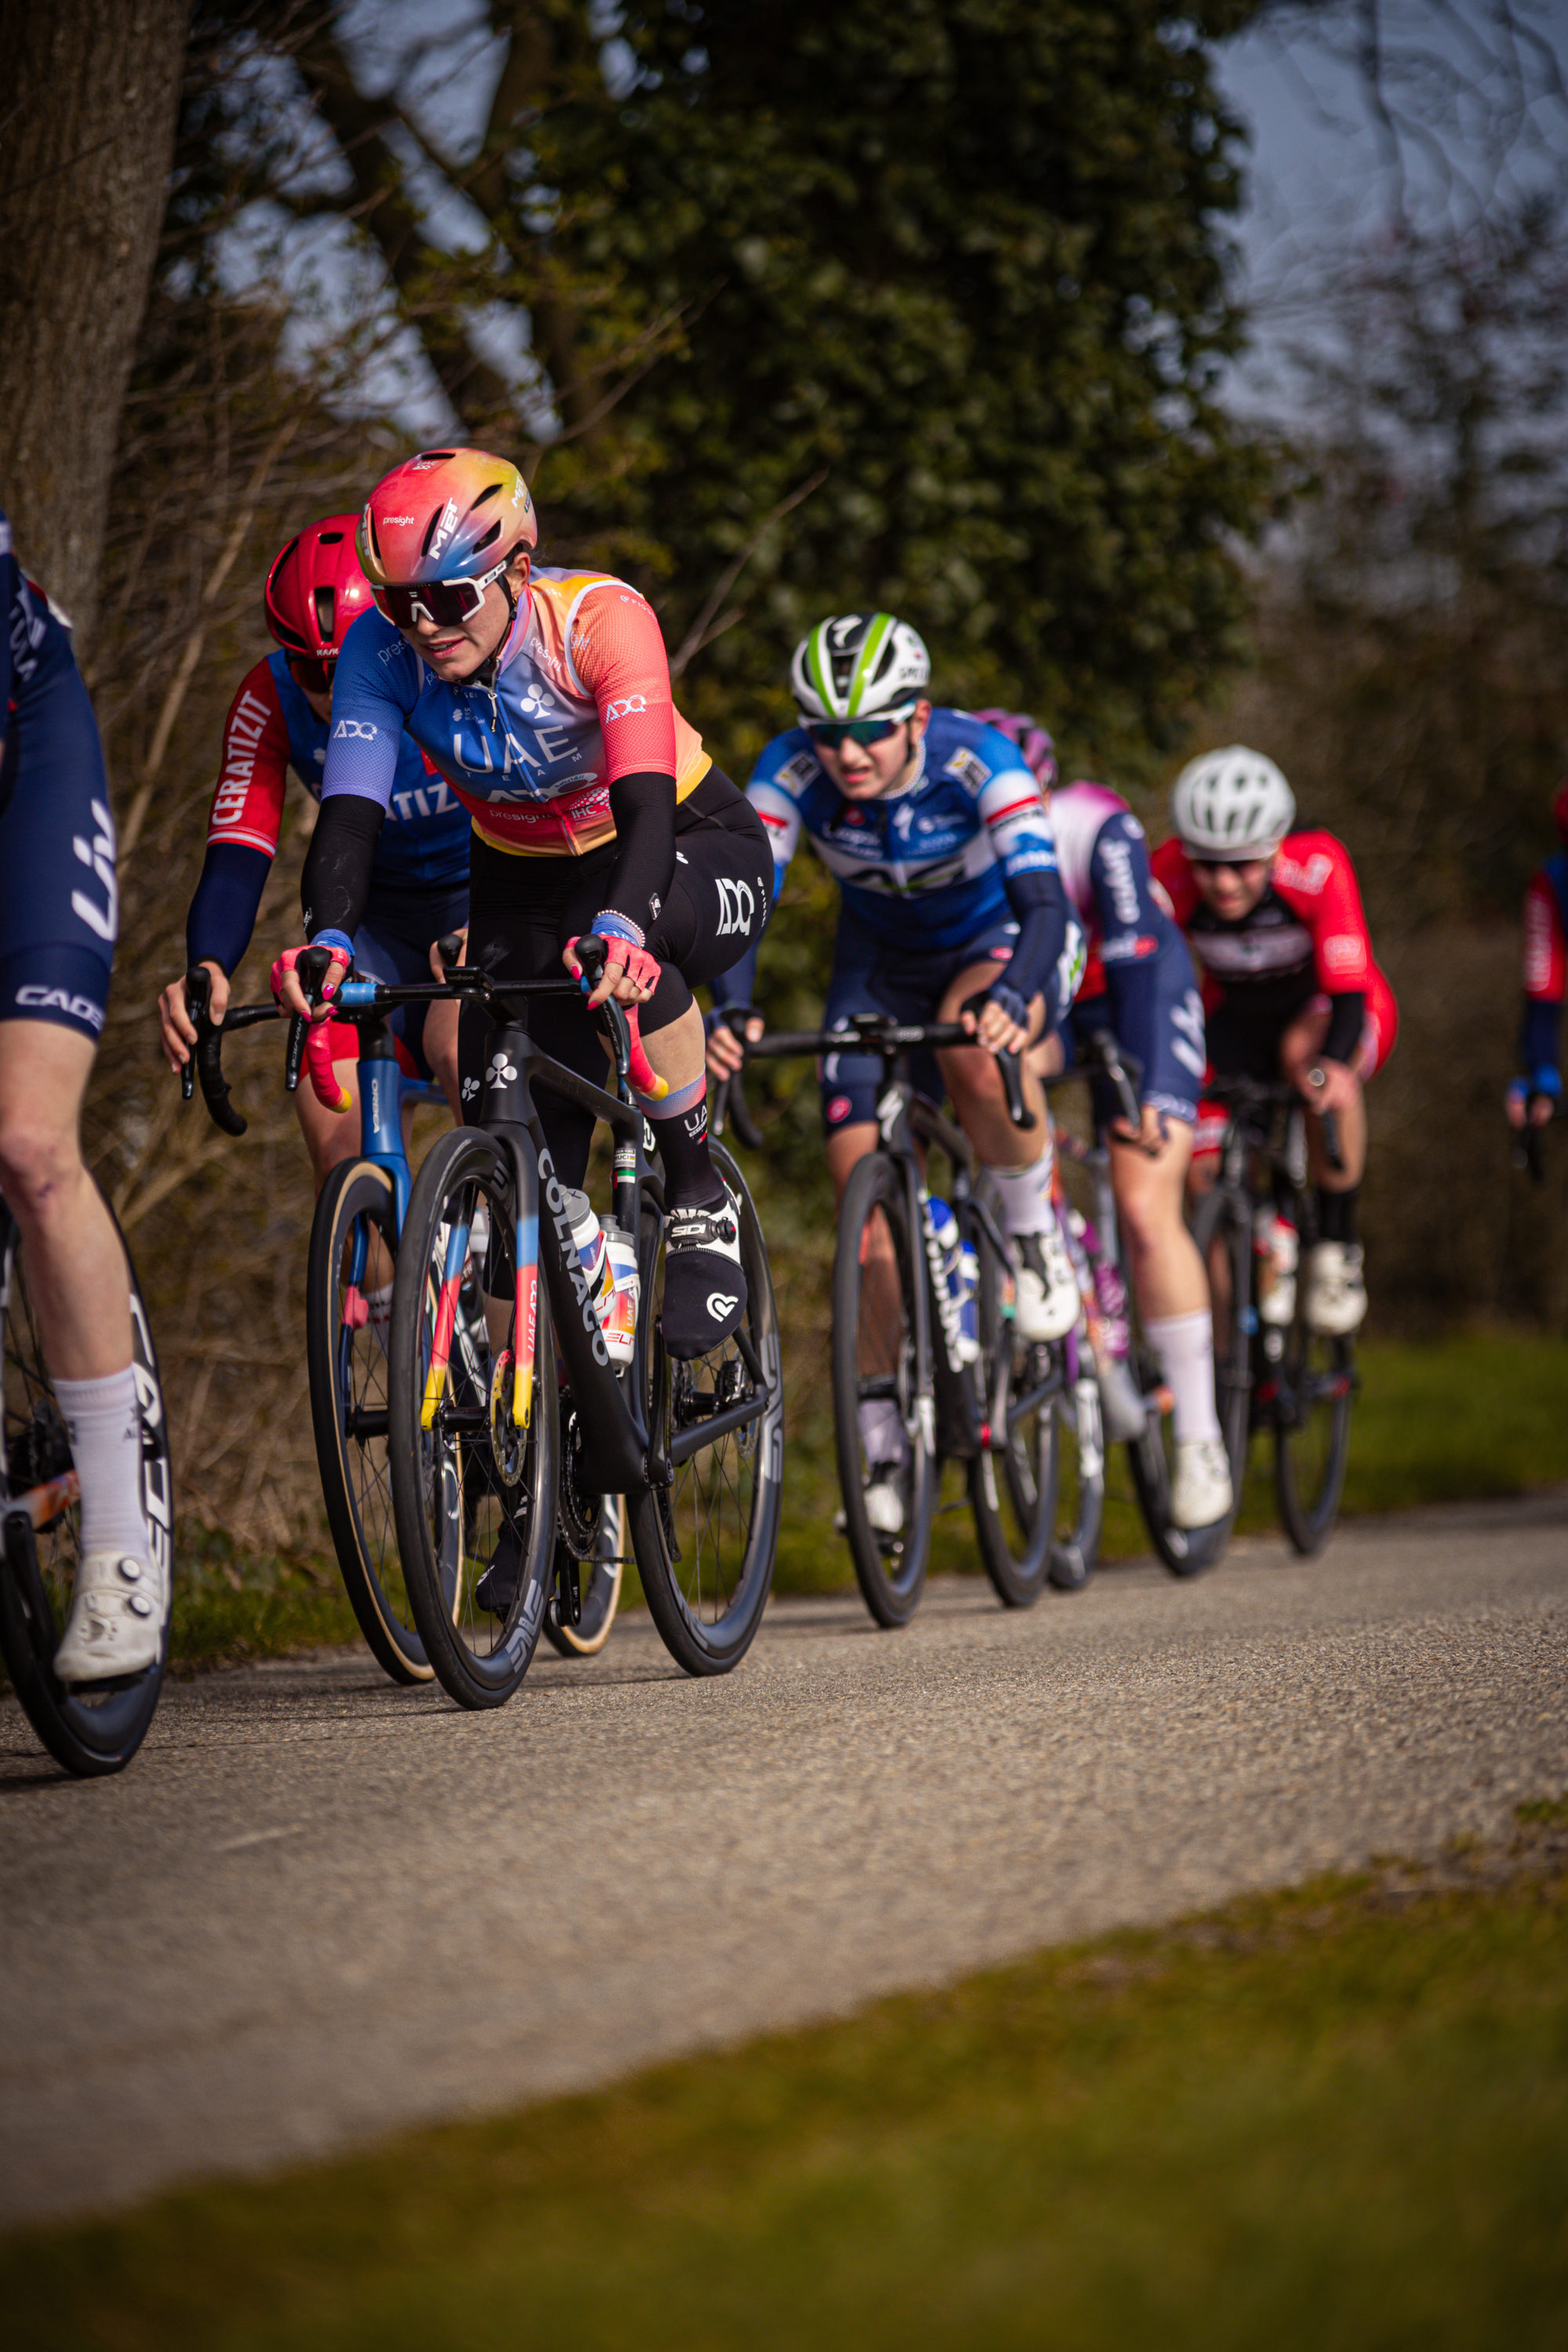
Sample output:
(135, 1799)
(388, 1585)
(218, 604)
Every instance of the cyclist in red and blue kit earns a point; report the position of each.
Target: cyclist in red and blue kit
(280, 720)
(59, 914)
(1138, 984)
(1538, 1091)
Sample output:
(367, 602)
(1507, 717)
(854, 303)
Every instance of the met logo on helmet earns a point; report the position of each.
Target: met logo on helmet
(441, 537)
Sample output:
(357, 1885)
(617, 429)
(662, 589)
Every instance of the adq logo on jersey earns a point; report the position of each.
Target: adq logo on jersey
(626, 707)
(737, 905)
(353, 730)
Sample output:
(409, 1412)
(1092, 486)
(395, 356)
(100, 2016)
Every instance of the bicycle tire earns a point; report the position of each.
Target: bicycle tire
(1184, 1551)
(1014, 1484)
(1309, 1508)
(875, 1189)
(726, 1498)
(348, 1385)
(91, 1730)
(600, 1602)
(1081, 1479)
(451, 1495)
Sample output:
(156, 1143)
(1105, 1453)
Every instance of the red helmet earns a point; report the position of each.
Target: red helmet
(315, 590)
(1560, 807)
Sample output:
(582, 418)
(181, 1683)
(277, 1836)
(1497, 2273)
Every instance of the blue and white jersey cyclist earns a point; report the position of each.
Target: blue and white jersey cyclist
(941, 842)
(58, 919)
(1141, 986)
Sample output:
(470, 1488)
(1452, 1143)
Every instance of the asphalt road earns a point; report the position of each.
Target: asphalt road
(318, 1908)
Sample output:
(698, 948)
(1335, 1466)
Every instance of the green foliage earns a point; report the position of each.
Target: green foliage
(957, 274)
(1333, 2115)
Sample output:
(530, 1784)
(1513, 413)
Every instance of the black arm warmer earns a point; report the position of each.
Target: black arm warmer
(1346, 1014)
(335, 883)
(643, 808)
(1039, 902)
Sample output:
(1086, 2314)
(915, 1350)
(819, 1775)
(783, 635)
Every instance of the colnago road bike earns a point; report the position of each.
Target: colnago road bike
(93, 1728)
(485, 1485)
(1004, 1407)
(1275, 1375)
(354, 1237)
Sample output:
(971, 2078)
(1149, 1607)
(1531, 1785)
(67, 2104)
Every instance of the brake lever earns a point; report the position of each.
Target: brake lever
(311, 970)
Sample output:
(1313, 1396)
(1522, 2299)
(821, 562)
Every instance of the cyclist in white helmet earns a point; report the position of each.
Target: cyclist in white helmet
(939, 839)
(1273, 913)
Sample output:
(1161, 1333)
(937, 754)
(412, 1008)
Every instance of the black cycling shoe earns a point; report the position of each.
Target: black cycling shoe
(497, 1589)
(704, 1289)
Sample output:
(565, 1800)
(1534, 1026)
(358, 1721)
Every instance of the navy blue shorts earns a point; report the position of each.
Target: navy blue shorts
(60, 898)
(394, 943)
(871, 977)
(1161, 1020)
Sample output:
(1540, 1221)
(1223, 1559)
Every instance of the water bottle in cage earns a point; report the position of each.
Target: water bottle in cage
(610, 1263)
(961, 1275)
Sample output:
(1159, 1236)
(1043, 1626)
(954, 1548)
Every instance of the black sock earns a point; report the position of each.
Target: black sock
(692, 1181)
(1336, 1214)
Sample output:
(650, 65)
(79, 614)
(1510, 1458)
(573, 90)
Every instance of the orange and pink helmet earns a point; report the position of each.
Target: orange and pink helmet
(451, 518)
(315, 592)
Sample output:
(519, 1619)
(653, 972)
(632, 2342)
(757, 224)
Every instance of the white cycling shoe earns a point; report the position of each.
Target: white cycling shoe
(116, 1625)
(1047, 1290)
(1201, 1491)
(1335, 1299)
(1123, 1415)
(884, 1502)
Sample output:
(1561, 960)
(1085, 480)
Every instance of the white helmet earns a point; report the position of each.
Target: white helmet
(859, 666)
(1232, 804)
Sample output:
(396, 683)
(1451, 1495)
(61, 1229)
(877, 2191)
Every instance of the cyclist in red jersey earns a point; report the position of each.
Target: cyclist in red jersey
(1291, 990)
(279, 720)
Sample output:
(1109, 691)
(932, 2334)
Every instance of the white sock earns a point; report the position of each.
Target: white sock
(1184, 1345)
(1027, 1195)
(105, 1432)
(882, 1431)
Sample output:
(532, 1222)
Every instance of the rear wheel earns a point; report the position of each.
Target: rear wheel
(472, 1490)
(876, 1401)
(705, 1542)
(354, 1238)
(1223, 1237)
(91, 1729)
(1312, 1441)
(588, 1584)
(1080, 1467)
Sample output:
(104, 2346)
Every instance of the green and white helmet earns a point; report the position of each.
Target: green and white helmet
(859, 666)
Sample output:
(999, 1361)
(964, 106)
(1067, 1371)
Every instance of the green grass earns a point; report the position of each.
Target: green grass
(233, 1607)
(1337, 2116)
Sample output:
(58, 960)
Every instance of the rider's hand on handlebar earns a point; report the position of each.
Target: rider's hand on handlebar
(1338, 1090)
(286, 985)
(437, 968)
(996, 1029)
(1525, 1108)
(726, 1053)
(630, 973)
(177, 1030)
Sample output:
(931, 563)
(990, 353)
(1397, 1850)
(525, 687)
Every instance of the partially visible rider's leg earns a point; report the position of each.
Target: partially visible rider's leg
(329, 1136)
(1168, 1275)
(1334, 1292)
(1021, 1160)
(80, 1287)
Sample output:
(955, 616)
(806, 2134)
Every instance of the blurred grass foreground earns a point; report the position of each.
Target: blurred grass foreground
(1485, 1414)
(1334, 2115)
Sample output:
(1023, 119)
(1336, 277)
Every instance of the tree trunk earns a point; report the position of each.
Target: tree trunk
(87, 133)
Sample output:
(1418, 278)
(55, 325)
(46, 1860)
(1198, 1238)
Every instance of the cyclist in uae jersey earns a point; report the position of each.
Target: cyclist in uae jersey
(59, 917)
(1537, 1092)
(1274, 916)
(543, 698)
(280, 720)
(1138, 984)
(939, 838)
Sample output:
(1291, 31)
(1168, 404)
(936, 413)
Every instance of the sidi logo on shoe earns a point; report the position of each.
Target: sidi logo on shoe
(721, 1303)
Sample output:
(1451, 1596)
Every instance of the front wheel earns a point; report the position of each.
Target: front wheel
(354, 1246)
(884, 1420)
(1015, 1478)
(473, 1489)
(1223, 1231)
(1313, 1435)
(706, 1539)
(91, 1729)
